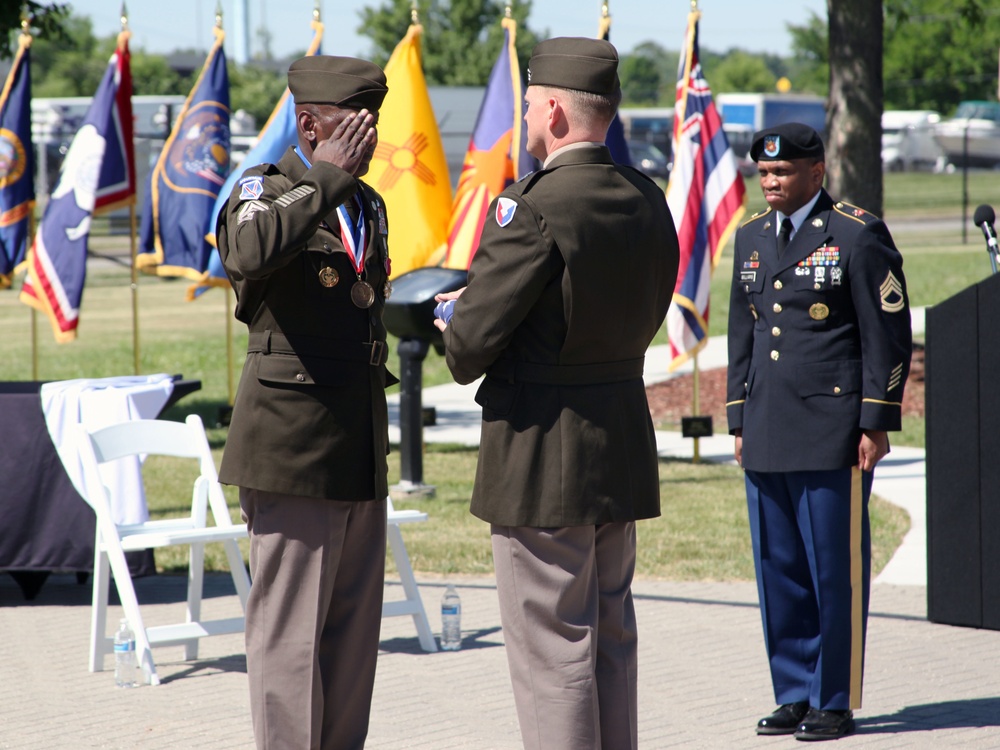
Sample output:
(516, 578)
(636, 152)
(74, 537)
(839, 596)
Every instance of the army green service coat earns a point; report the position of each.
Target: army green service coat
(571, 280)
(310, 416)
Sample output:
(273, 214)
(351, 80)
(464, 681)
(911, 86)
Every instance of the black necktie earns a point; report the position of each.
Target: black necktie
(784, 235)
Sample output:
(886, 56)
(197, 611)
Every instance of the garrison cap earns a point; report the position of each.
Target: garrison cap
(342, 81)
(575, 63)
(791, 140)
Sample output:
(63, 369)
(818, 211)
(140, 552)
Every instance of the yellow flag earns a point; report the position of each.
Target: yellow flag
(409, 168)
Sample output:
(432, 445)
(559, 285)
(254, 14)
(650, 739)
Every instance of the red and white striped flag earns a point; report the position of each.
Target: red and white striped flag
(706, 196)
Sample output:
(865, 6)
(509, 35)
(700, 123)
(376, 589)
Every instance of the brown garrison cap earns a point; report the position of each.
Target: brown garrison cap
(575, 63)
(790, 140)
(342, 81)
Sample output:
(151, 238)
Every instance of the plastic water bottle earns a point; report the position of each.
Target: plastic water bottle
(451, 620)
(124, 656)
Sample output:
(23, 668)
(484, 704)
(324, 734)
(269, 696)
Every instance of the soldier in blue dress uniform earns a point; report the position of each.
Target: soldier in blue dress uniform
(819, 352)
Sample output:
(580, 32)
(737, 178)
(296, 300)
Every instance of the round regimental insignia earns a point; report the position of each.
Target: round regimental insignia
(329, 277)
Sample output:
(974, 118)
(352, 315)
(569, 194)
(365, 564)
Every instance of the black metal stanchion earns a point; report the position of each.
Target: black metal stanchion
(412, 352)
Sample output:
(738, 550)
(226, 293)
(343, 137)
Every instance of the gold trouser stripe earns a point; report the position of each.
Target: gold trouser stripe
(857, 589)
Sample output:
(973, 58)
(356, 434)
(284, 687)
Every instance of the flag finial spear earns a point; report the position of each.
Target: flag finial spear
(507, 11)
(414, 16)
(124, 17)
(604, 9)
(316, 12)
(218, 14)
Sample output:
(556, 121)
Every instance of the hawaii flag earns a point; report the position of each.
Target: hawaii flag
(97, 175)
(409, 168)
(278, 133)
(185, 182)
(706, 196)
(497, 154)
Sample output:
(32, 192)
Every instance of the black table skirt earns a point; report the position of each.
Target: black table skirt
(45, 526)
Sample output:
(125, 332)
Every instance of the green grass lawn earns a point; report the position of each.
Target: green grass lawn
(702, 534)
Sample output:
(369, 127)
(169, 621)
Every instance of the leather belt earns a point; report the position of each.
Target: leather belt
(373, 353)
(590, 374)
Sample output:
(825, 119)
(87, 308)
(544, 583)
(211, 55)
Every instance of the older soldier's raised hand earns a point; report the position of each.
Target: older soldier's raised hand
(351, 143)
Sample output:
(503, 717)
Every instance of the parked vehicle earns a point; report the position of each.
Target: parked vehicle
(649, 159)
(972, 136)
(908, 140)
(755, 112)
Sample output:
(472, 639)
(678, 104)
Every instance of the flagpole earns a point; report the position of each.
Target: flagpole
(25, 41)
(133, 253)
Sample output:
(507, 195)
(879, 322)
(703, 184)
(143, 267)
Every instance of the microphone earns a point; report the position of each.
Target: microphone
(984, 218)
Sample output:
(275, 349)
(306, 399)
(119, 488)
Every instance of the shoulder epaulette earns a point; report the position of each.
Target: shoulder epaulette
(528, 181)
(854, 212)
(758, 215)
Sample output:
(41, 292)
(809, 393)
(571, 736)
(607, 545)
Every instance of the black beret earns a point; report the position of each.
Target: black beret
(342, 81)
(791, 140)
(575, 63)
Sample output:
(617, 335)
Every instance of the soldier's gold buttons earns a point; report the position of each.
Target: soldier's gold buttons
(775, 355)
(777, 307)
(778, 284)
(776, 331)
(836, 389)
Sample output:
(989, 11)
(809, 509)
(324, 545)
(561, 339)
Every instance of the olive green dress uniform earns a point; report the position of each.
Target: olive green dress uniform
(309, 433)
(561, 305)
(571, 280)
(310, 416)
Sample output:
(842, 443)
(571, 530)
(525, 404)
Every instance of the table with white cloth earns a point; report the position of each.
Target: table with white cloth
(45, 524)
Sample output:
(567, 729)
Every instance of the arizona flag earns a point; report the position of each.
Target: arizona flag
(185, 182)
(706, 197)
(497, 154)
(97, 175)
(17, 163)
(278, 133)
(409, 168)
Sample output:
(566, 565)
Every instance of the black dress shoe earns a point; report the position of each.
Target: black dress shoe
(785, 720)
(825, 725)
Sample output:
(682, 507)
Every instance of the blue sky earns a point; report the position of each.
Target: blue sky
(164, 25)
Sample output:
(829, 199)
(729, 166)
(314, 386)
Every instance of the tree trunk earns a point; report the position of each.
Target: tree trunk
(854, 115)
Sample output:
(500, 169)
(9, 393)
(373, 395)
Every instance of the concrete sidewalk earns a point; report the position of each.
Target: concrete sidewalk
(703, 679)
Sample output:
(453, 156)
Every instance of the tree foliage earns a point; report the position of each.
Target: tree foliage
(940, 52)
(461, 40)
(47, 22)
(741, 71)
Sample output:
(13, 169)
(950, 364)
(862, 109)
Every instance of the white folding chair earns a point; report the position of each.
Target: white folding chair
(163, 438)
(412, 604)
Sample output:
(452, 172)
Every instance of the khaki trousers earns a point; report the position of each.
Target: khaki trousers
(313, 618)
(570, 633)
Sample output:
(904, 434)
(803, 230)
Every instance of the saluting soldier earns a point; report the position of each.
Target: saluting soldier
(570, 282)
(819, 352)
(304, 243)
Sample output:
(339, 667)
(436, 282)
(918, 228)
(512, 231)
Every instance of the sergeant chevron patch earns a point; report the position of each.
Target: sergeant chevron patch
(891, 292)
(248, 209)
